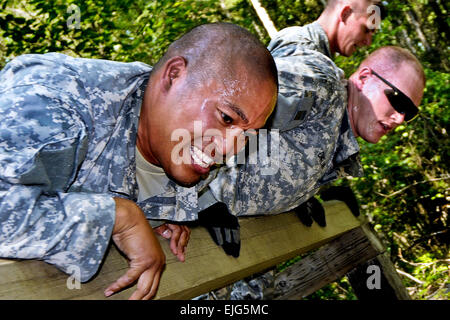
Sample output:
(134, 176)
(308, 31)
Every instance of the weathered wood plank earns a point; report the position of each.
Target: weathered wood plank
(324, 266)
(266, 241)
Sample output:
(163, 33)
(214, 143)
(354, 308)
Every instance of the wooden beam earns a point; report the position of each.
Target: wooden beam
(324, 266)
(266, 241)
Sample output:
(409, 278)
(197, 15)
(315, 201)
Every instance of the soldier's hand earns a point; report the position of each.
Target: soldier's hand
(223, 227)
(343, 194)
(179, 237)
(311, 210)
(134, 236)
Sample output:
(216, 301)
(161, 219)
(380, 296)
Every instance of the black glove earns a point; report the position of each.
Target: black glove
(343, 194)
(311, 210)
(223, 227)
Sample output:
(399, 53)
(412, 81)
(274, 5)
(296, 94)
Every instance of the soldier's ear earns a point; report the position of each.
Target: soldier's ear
(173, 70)
(362, 77)
(345, 13)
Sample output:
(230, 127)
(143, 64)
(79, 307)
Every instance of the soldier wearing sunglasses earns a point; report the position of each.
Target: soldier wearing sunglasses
(320, 115)
(383, 93)
(399, 101)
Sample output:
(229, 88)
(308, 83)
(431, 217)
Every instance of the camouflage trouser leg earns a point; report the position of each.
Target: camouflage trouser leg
(256, 287)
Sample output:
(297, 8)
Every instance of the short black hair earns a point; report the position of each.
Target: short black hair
(218, 49)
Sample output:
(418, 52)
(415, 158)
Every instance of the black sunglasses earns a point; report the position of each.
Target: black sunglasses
(399, 101)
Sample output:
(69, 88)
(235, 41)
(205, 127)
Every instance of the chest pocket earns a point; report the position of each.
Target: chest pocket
(291, 111)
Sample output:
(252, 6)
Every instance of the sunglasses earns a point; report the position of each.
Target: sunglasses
(399, 101)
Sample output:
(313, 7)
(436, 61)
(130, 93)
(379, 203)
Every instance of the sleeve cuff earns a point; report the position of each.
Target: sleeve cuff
(85, 237)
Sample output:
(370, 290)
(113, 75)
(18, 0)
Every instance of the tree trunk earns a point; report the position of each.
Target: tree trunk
(264, 17)
(413, 21)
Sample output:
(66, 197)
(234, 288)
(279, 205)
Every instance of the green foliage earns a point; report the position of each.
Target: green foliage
(125, 30)
(292, 13)
(405, 188)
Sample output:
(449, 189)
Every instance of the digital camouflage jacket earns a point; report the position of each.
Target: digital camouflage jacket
(67, 146)
(316, 143)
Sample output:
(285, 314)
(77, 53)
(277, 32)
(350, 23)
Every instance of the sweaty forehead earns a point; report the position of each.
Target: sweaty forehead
(239, 82)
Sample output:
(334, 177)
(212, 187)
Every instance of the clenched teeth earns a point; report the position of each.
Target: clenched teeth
(200, 158)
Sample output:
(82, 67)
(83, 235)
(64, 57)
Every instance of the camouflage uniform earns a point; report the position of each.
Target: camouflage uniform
(67, 146)
(317, 144)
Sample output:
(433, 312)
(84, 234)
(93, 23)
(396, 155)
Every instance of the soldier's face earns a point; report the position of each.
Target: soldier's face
(372, 115)
(355, 32)
(194, 125)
